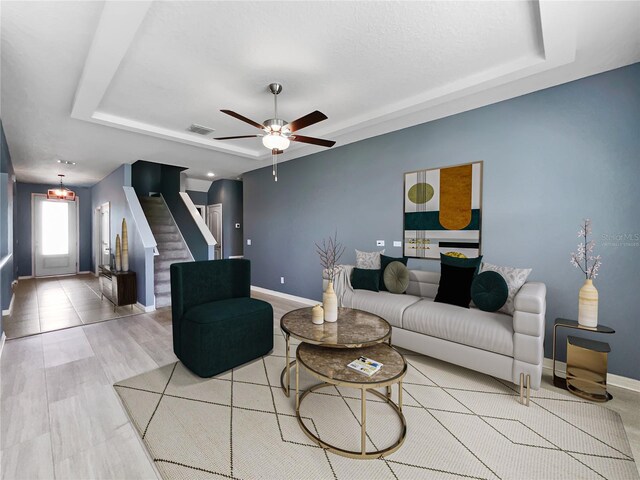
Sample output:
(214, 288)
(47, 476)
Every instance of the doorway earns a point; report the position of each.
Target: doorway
(55, 239)
(104, 235)
(214, 222)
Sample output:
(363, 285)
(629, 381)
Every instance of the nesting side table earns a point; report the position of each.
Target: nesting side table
(586, 363)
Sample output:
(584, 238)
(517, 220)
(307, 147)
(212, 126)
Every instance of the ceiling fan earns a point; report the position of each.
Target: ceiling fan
(278, 133)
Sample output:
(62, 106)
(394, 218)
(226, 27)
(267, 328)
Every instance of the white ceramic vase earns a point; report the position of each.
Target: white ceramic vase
(317, 315)
(330, 304)
(588, 305)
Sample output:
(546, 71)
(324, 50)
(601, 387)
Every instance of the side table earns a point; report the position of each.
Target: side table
(561, 382)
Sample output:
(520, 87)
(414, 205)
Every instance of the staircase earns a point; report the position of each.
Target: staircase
(171, 246)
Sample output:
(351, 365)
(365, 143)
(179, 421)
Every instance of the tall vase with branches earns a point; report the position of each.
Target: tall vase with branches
(584, 259)
(330, 252)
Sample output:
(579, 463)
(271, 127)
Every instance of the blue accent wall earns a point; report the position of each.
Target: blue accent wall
(8, 218)
(229, 194)
(24, 224)
(551, 158)
(150, 177)
(198, 198)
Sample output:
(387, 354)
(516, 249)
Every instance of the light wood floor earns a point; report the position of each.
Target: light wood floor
(60, 417)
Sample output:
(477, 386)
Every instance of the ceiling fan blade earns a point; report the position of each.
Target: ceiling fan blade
(244, 119)
(239, 136)
(309, 119)
(312, 140)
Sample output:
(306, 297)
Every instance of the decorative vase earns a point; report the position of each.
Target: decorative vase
(118, 254)
(330, 304)
(317, 315)
(125, 247)
(588, 305)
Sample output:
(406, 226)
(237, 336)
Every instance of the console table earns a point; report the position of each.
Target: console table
(596, 347)
(118, 287)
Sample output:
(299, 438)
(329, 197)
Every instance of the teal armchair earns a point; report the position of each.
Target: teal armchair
(216, 324)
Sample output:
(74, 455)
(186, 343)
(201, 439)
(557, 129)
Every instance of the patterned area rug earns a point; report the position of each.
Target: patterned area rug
(460, 424)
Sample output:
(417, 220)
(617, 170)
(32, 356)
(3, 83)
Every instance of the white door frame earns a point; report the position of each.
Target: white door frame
(219, 240)
(97, 232)
(33, 232)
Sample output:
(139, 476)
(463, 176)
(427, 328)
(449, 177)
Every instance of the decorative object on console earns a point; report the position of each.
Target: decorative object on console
(125, 247)
(118, 254)
(317, 315)
(396, 277)
(489, 291)
(455, 285)
(365, 279)
(515, 278)
(330, 252)
(369, 260)
(442, 210)
(384, 261)
(584, 259)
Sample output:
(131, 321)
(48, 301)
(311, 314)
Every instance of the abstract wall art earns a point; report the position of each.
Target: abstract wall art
(442, 211)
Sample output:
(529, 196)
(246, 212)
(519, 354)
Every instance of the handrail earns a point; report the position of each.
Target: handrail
(148, 240)
(202, 226)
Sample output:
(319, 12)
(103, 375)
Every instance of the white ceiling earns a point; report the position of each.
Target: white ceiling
(103, 84)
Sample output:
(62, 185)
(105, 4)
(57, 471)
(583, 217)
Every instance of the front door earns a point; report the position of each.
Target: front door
(55, 242)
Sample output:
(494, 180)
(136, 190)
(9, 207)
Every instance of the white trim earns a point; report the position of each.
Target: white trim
(275, 293)
(140, 219)
(5, 259)
(10, 309)
(146, 308)
(84, 272)
(236, 256)
(25, 277)
(612, 379)
(204, 230)
(2, 340)
(186, 245)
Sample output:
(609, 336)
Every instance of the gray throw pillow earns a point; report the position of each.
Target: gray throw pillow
(396, 277)
(368, 260)
(515, 278)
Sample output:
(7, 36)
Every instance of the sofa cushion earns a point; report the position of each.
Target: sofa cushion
(223, 310)
(368, 260)
(396, 277)
(384, 304)
(384, 261)
(491, 331)
(365, 279)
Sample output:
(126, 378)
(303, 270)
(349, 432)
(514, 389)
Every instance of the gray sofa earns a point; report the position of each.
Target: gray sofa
(497, 344)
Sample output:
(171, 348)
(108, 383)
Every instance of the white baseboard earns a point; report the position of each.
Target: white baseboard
(2, 339)
(10, 309)
(275, 293)
(25, 277)
(612, 379)
(84, 272)
(146, 308)
(235, 256)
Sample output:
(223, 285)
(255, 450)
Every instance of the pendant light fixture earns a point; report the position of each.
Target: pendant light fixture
(61, 192)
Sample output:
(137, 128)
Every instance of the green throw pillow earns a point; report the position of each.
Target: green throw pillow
(365, 279)
(489, 291)
(396, 277)
(461, 262)
(384, 261)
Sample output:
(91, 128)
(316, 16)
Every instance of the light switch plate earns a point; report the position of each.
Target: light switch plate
(379, 243)
(248, 241)
(397, 244)
(281, 279)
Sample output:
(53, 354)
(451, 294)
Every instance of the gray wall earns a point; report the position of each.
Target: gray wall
(109, 189)
(229, 194)
(24, 233)
(198, 198)
(550, 158)
(8, 217)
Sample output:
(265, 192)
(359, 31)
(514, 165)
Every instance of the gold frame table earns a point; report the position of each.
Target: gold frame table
(330, 366)
(354, 329)
(561, 382)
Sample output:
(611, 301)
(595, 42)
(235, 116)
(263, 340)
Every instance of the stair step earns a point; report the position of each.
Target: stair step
(153, 220)
(168, 246)
(163, 300)
(161, 276)
(174, 255)
(162, 287)
(147, 199)
(167, 237)
(163, 229)
(161, 265)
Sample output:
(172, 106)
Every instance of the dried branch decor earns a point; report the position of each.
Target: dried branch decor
(330, 252)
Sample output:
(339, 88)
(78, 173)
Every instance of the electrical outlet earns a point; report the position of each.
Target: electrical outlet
(237, 225)
(248, 241)
(397, 244)
(281, 279)
(379, 243)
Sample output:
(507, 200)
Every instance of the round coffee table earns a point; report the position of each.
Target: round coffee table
(354, 329)
(330, 366)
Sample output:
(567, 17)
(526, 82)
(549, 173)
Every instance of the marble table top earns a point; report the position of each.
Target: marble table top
(353, 329)
(330, 364)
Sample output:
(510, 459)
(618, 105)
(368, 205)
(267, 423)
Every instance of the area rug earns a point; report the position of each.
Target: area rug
(460, 424)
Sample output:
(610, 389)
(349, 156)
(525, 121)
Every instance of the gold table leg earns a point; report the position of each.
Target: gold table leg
(400, 395)
(286, 365)
(297, 387)
(363, 418)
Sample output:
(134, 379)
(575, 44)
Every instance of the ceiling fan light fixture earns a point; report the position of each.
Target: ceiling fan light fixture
(275, 141)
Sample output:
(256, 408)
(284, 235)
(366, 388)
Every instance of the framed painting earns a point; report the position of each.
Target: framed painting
(443, 211)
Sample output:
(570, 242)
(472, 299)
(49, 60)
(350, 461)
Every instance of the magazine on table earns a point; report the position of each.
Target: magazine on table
(365, 365)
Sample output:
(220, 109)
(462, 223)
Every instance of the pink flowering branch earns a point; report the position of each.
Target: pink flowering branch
(583, 258)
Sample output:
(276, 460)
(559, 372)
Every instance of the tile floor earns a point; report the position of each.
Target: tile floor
(47, 304)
